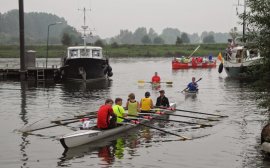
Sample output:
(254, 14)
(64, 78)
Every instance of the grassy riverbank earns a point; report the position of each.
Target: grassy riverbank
(122, 50)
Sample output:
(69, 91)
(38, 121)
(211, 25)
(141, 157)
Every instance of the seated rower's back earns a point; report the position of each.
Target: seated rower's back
(118, 110)
(146, 103)
(105, 116)
(132, 105)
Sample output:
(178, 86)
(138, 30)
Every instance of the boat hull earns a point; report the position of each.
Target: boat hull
(180, 65)
(237, 70)
(238, 59)
(81, 137)
(84, 69)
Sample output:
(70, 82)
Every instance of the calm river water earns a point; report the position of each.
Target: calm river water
(231, 142)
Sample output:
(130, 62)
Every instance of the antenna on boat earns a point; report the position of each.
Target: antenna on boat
(244, 18)
(84, 27)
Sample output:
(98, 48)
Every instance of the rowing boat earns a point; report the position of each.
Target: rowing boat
(81, 137)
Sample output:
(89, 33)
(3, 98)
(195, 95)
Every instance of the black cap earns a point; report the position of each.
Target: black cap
(161, 91)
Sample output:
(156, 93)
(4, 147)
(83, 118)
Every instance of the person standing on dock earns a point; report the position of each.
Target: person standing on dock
(156, 78)
(193, 86)
(162, 100)
(132, 105)
(146, 103)
(118, 110)
(106, 118)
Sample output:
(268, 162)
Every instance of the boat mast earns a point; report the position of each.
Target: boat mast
(244, 22)
(244, 19)
(84, 27)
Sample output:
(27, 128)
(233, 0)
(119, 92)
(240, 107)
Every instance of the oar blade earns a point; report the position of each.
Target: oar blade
(141, 81)
(43, 123)
(169, 83)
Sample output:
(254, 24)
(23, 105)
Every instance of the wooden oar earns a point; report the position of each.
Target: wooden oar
(216, 115)
(184, 137)
(74, 118)
(167, 132)
(195, 82)
(87, 114)
(186, 122)
(168, 82)
(195, 112)
(36, 128)
(52, 124)
(208, 119)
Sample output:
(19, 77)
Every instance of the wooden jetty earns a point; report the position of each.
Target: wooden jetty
(33, 70)
(35, 73)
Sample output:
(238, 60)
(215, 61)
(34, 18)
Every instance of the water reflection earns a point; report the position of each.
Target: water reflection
(85, 86)
(109, 149)
(192, 97)
(24, 118)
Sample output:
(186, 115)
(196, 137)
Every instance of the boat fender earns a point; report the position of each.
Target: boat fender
(110, 74)
(109, 71)
(109, 68)
(105, 69)
(220, 68)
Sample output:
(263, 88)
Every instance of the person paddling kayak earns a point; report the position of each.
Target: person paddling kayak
(192, 86)
(156, 78)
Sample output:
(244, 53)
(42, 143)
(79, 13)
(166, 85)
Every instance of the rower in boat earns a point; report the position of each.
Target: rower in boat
(118, 110)
(106, 118)
(192, 86)
(132, 105)
(146, 103)
(162, 100)
(81, 137)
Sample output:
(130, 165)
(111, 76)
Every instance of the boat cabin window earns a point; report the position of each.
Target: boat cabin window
(239, 54)
(84, 52)
(96, 53)
(253, 53)
(73, 53)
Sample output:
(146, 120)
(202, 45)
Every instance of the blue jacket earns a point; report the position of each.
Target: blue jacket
(192, 86)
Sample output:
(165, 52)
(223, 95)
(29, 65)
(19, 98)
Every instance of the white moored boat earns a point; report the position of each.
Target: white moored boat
(81, 137)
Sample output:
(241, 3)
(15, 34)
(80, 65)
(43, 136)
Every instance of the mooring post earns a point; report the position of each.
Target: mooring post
(22, 60)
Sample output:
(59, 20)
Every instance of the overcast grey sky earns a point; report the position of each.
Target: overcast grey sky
(107, 17)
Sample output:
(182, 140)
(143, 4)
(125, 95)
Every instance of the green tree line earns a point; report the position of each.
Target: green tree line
(36, 25)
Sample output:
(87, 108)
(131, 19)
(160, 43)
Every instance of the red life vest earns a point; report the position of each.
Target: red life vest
(156, 79)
